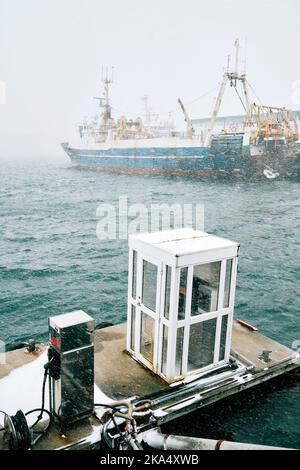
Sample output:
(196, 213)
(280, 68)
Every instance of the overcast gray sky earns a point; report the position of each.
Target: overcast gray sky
(51, 53)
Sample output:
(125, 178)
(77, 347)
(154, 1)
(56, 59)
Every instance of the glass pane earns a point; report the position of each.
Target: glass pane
(147, 337)
(149, 285)
(227, 283)
(223, 337)
(182, 293)
(167, 292)
(134, 263)
(201, 344)
(179, 351)
(132, 332)
(206, 281)
(164, 350)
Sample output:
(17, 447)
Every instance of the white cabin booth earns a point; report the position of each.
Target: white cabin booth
(180, 301)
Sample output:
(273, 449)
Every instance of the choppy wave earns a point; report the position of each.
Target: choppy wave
(52, 262)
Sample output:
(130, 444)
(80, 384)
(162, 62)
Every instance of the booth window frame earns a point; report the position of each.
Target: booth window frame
(168, 370)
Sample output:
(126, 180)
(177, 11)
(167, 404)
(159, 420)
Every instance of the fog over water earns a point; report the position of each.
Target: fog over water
(52, 51)
(51, 261)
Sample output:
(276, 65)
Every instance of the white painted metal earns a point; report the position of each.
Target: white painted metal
(173, 324)
(157, 440)
(161, 319)
(187, 320)
(69, 319)
(220, 308)
(142, 308)
(178, 249)
(231, 307)
(129, 300)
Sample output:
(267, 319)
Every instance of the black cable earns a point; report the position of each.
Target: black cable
(112, 418)
(111, 407)
(240, 99)
(115, 409)
(42, 409)
(5, 414)
(118, 429)
(20, 438)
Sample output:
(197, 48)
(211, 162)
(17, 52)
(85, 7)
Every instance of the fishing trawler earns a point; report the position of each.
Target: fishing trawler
(265, 145)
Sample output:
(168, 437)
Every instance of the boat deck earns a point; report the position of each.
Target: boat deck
(118, 376)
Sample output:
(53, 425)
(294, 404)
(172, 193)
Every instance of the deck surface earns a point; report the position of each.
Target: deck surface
(18, 358)
(250, 345)
(116, 373)
(119, 376)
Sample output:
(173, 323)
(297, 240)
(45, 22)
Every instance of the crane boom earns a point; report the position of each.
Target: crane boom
(190, 129)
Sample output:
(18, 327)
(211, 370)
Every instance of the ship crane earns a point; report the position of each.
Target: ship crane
(270, 121)
(190, 129)
(233, 78)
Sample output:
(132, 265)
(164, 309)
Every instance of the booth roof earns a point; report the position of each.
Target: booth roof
(180, 242)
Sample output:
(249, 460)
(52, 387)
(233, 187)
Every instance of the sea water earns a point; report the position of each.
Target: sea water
(51, 262)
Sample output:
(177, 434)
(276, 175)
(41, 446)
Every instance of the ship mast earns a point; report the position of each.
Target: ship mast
(147, 110)
(107, 81)
(237, 51)
(233, 78)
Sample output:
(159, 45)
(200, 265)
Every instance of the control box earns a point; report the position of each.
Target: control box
(71, 369)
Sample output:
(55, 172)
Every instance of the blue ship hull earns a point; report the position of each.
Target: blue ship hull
(197, 161)
(184, 158)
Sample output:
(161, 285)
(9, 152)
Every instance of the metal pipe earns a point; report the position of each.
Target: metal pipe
(197, 387)
(157, 440)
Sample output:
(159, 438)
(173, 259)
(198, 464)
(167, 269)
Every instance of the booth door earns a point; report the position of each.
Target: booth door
(148, 302)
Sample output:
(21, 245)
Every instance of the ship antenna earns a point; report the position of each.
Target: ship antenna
(107, 81)
(147, 110)
(228, 62)
(245, 58)
(237, 51)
